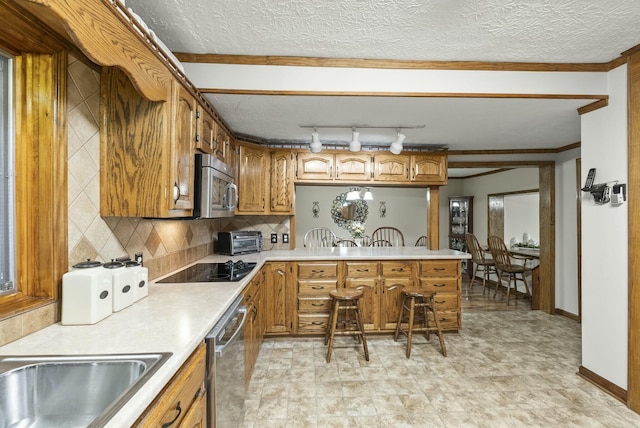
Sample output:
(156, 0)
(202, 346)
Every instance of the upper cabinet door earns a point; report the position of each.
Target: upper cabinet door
(282, 182)
(253, 180)
(429, 168)
(312, 166)
(183, 147)
(388, 167)
(353, 167)
(221, 144)
(206, 131)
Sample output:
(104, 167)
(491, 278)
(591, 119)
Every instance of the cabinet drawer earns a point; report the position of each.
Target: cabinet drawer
(446, 301)
(313, 323)
(397, 269)
(321, 288)
(449, 268)
(180, 393)
(440, 285)
(362, 270)
(317, 270)
(449, 320)
(310, 305)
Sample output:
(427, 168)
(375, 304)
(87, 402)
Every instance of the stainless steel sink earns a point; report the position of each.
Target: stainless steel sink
(70, 391)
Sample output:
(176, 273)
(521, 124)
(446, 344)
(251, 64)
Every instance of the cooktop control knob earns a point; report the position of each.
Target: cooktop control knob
(228, 264)
(239, 264)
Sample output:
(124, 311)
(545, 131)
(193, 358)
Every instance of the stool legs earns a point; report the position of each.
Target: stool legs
(347, 306)
(410, 301)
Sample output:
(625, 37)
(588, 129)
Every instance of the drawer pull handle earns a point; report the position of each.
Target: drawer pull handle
(439, 285)
(317, 322)
(439, 269)
(362, 270)
(397, 270)
(179, 412)
(317, 304)
(317, 270)
(440, 301)
(317, 287)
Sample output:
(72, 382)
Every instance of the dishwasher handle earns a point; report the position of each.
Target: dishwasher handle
(221, 349)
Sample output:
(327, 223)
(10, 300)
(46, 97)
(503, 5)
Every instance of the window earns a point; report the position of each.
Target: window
(7, 183)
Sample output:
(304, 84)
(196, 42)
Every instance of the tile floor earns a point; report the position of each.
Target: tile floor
(504, 369)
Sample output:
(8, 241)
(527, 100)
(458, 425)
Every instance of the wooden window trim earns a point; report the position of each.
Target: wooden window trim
(41, 181)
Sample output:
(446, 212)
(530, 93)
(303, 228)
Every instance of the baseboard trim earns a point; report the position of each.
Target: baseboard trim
(569, 315)
(602, 383)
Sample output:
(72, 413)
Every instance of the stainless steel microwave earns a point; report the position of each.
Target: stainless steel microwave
(216, 194)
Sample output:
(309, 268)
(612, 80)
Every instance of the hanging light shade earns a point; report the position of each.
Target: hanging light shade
(368, 196)
(355, 145)
(353, 194)
(316, 145)
(396, 146)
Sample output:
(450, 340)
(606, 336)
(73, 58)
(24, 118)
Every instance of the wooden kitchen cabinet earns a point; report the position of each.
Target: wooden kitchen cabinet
(364, 276)
(253, 179)
(314, 166)
(222, 145)
(196, 416)
(281, 182)
(353, 167)
(314, 281)
(146, 150)
(206, 131)
(184, 391)
(254, 327)
(382, 283)
(278, 298)
(429, 168)
(444, 277)
(391, 168)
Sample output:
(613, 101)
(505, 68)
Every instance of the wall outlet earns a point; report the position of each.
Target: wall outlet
(285, 238)
(274, 238)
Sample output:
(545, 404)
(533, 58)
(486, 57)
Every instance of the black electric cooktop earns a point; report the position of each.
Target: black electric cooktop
(212, 272)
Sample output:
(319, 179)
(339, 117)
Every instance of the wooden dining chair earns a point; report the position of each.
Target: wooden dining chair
(422, 241)
(346, 243)
(388, 233)
(480, 259)
(380, 243)
(504, 263)
(319, 237)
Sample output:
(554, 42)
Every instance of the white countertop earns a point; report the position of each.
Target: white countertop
(176, 317)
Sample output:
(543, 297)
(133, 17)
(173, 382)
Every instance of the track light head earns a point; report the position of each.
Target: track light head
(396, 146)
(316, 145)
(355, 145)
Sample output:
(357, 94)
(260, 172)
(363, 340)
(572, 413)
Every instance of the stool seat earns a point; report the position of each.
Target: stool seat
(345, 301)
(412, 298)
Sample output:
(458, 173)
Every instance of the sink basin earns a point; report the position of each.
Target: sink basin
(70, 391)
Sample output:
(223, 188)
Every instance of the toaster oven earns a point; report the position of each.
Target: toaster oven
(240, 242)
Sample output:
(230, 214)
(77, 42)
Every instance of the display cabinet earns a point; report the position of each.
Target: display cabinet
(460, 223)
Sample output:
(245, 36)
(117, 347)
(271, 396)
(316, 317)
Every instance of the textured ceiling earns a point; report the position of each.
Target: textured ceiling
(462, 30)
(564, 31)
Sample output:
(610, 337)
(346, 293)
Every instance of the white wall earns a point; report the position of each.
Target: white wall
(522, 215)
(604, 239)
(406, 210)
(566, 234)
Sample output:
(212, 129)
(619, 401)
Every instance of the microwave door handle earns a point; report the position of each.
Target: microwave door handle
(231, 196)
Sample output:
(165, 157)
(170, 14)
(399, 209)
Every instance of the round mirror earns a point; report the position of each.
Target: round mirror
(349, 215)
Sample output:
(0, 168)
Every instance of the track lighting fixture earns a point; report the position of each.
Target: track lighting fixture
(355, 145)
(396, 146)
(316, 145)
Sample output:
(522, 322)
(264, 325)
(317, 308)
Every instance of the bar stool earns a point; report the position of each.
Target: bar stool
(425, 302)
(347, 301)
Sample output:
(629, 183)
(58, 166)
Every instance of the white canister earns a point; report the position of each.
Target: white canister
(87, 295)
(140, 284)
(122, 282)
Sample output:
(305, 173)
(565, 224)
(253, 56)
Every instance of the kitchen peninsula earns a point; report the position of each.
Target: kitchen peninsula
(176, 317)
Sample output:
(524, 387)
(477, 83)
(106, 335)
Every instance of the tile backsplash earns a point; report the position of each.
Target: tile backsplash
(166, 245)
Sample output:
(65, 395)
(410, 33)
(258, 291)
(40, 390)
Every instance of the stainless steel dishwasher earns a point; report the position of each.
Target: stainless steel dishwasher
(225, 368)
